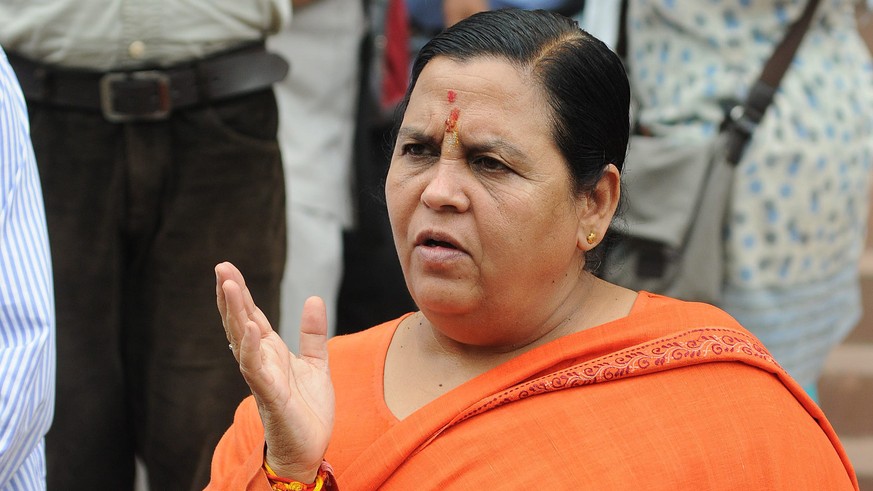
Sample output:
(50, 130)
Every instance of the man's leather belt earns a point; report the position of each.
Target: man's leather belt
(151, 94)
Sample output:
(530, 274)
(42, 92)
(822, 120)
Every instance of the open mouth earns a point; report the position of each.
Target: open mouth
(438, 243)
(437, 240)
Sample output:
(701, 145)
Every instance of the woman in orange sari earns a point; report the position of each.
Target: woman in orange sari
(521, 370)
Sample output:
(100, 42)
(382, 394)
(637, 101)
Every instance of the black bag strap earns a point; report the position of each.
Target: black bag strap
(744, 118)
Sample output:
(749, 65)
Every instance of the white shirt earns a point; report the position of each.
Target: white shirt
(116, 34)
(27, 315)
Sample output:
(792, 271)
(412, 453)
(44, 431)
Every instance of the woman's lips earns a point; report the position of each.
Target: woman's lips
(436, 248)
(436, 238)
(438, 253)
(438, 243)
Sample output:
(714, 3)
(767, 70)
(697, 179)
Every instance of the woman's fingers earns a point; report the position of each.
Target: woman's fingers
(234, 316)
(255, 313)
(250, 360)
(249, 347)
(220, 300)
(313, 332)
(227, 271)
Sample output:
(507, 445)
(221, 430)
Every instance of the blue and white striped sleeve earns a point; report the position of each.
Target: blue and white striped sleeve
(27, 315)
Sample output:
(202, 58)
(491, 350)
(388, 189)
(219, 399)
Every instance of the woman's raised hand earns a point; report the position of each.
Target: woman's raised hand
(294, 393)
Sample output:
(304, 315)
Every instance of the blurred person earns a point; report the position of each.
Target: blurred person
(798, 211)
(434, 15)
(521, 369)
(429, 17)
(154, 125)
(27, 314)
(601, 19)
(317, 104)
(372, 288)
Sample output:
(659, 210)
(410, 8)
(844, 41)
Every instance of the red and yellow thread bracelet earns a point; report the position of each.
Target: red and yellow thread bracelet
(323, 480)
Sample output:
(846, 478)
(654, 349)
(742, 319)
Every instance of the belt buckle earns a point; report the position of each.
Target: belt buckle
(152, 83)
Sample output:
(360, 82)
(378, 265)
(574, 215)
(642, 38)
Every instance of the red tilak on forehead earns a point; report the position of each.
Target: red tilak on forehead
(452, 125)
(452, 120)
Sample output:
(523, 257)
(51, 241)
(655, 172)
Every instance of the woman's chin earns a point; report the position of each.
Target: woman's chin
(443, 300)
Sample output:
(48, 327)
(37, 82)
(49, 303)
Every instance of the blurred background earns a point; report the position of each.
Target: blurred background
(846, 390)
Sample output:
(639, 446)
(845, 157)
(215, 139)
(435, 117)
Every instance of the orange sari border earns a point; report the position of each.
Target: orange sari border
(692, 347)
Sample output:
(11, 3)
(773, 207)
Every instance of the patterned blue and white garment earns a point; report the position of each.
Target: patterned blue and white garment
(797, 221)
(27, 312)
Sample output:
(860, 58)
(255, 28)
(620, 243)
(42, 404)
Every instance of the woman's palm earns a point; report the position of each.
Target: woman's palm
(294, 393)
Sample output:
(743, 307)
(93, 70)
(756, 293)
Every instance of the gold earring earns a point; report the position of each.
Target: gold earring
(591, 237)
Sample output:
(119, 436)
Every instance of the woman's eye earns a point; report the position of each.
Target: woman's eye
(414, 149)
(488, 164)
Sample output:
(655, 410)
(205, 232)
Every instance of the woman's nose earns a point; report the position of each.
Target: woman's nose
(447, 186)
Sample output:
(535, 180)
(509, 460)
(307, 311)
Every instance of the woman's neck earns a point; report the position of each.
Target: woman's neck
(424, 362)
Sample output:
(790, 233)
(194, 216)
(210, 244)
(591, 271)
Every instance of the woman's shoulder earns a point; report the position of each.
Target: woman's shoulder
(656, 321)
(673, 313)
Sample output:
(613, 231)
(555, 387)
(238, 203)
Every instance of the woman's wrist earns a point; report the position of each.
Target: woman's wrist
(322, 480)
(282, 464)
(301, 473)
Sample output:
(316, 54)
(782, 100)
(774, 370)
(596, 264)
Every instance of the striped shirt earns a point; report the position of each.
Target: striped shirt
(27, 318)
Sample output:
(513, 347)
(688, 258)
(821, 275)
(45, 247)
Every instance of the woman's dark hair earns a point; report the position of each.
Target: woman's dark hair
(584, 82)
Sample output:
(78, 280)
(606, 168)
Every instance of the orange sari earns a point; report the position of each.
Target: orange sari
(675, 394)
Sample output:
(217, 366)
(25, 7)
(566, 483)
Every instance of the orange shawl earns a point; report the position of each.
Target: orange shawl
(673, 394)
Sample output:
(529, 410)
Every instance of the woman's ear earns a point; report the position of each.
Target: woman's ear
(597, 209)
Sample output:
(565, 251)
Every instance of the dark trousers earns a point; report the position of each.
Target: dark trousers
(138, 216)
